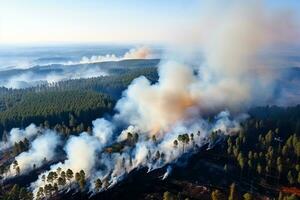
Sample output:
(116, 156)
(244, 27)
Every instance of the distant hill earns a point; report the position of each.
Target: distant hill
(41, 74)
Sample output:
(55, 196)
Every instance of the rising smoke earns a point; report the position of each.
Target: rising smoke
(16, 135)
(66, 71)
(42, 149)
(230, 79)
(134, 53)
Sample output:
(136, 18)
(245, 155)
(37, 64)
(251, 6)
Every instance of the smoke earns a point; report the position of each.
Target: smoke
(16, 135)
(65, 71)
(42, 149)
(31, 79)
(168, 172)
(229, 77)
(142, 52)
(166, 120)
(81, 151)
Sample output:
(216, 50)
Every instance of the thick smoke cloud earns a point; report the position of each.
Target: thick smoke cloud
(42, 149)
(230, 79)
(16, 135)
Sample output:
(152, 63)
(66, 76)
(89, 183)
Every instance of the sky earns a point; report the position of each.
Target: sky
(103, 21)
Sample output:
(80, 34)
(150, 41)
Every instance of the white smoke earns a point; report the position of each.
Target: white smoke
(42, 149)
(162, 112)
(30, 79)
(168, 172)
(134, 53)
(82, 150)
(103, 130)
(16, 135)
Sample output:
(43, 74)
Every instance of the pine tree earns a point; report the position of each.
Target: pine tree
(69, 174)
(290, 178)
(232, 192)
(98, 184)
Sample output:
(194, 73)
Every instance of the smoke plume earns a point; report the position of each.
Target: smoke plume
(134, 53)
(16, 135)
(42, 149)
(166, 119)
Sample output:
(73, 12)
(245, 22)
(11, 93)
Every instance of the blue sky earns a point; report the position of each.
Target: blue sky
(118, 21)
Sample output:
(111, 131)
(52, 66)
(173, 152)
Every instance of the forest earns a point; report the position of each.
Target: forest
(265, 151)
(57, 104)
(262, 160)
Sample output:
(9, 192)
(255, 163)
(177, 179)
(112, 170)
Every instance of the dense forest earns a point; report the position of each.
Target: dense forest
(261, 161)
(55, 105)
(69, 108)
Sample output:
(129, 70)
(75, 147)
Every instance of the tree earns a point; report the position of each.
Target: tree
(105, 183)
(248, 196)
(80, 178)
(61, 181)
(63, 174)
(55, 176)
(297, 150)
(269, 137)
(184, 139)
(58, 170)
(82, 183)
(72, 120)
(284, 151)
(50, 177)
(18, 170)
(14, 192)
(98, 184)
(157, 155)
(198, 133)
(217, 195)
(290, 178)
(279, 168)
(154, 139)
(225, 168)
(55, 188)
(233, 195)
(280, 196)
(16, 167)
(77, 177)
(40, 193)
(250, 165)
(168, 196)
(259, 169)
(44, 178)
(175, 143)
(192, 139)
(241, 163)
(82, 174)
(69, 174)
(292, 197)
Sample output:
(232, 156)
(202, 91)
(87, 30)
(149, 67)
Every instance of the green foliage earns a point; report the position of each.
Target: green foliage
(217, 195)
(184, 139)
(98, 184)
(267, 152)
(70, 105)
(233, 195)
(248, 196)
(169, 196)
(17, 193)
